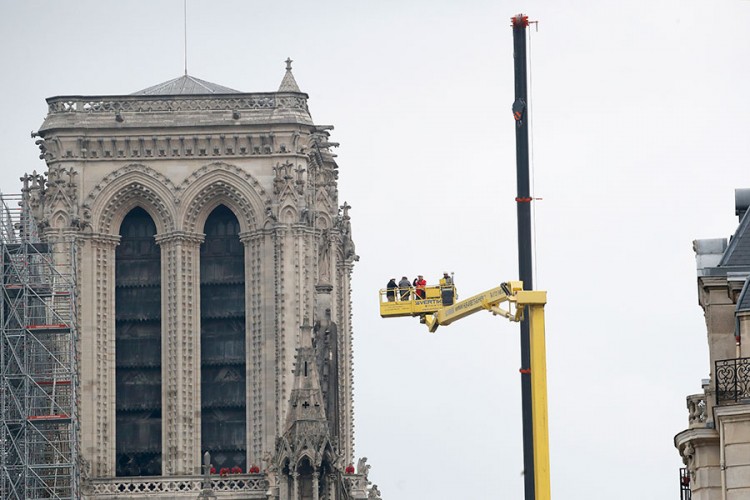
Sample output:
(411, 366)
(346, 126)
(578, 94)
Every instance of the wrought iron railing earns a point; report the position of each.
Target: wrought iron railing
(732, 380)
(685, 492)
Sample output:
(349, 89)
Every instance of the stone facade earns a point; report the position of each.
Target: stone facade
(716, 446)
(178, 151)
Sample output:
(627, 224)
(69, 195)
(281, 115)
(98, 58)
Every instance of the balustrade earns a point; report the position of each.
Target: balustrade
(174, 487)
(696, 405)
(155, 104)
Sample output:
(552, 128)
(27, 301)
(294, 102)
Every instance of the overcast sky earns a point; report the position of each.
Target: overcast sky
(640, 124)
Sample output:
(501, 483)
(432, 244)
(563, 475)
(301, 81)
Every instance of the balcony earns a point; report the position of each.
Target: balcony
(685, 493)
(733, 381)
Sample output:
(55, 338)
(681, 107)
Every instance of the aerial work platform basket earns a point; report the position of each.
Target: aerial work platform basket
(406, 302)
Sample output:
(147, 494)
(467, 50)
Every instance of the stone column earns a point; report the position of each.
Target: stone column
(295, 485)
(315, 483)
(285, 328)
(343, 315)
(96, 319)
(330, 488)
(262, 346)
(257, 279)
(181, 400)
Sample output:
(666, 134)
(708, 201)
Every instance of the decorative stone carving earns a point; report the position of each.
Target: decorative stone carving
(363, 467)
(696, 405)
(47, 149)
(688, 458)
(345, 226)
(288, 181)
(222, 183)
(324, 257)
(33, 191)
(374, 493)
(54, 200)
(270, 215)
(226, 167)
(126, 188)
(135, 104)
(131, 195)
(148, 172)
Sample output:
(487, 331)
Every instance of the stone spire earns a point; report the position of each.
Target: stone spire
(306, 409)
(288, 83)
(306, 459)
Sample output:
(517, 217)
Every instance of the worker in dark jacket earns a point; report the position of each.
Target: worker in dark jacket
(404, 288)
(446, 289)
(391, 290)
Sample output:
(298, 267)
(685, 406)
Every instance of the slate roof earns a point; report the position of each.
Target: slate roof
(738, 250)
(743, 303)
(186, 85)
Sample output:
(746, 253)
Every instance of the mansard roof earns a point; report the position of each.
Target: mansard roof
(737, 253)
(186, 85)
(717, 257)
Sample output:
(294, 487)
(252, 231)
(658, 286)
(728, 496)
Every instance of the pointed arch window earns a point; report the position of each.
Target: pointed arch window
(138, 347)
(222, 271)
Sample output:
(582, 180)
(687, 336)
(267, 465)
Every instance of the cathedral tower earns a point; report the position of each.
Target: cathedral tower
(207, 230)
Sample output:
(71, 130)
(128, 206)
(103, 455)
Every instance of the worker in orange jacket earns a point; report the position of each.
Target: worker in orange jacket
(420, 284)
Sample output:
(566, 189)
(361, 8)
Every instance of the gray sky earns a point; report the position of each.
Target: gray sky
(640, 114)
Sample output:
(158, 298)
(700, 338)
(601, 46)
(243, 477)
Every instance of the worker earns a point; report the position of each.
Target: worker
(421, 283)
(391, 290)
(404, 287)
(446, 289)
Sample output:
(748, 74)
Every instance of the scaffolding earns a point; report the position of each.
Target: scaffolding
(38, 362)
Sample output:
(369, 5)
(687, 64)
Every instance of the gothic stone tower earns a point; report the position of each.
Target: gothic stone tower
(208, 231)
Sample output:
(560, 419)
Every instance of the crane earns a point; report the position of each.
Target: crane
(524, 304)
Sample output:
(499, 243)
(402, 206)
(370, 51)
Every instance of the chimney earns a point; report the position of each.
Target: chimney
(741, 201)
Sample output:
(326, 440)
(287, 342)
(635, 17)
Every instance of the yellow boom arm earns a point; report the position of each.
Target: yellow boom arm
(433, 312)
(489, 300)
